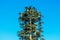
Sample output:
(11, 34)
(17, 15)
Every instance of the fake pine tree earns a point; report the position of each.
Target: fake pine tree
(31, 25)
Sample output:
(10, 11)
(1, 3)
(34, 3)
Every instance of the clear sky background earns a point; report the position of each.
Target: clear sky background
(9, 10)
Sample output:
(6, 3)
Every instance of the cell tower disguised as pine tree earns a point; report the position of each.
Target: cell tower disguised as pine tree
(31, 25)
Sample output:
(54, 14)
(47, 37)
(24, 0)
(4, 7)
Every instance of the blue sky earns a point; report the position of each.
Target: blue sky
(9, 10)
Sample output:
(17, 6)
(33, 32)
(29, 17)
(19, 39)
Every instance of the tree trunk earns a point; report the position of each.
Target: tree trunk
(31, 37)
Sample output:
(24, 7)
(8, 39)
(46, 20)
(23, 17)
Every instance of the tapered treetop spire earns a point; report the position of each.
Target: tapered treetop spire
(30, 22)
